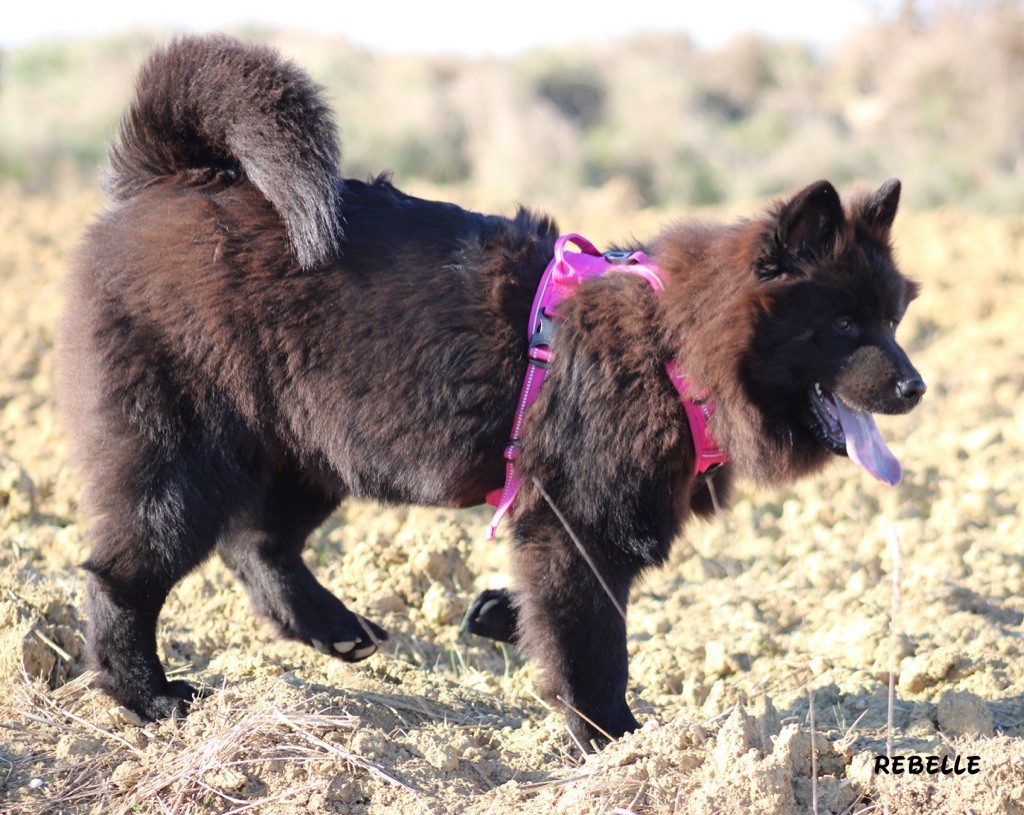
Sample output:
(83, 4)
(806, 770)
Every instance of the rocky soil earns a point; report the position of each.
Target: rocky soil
(784, 605)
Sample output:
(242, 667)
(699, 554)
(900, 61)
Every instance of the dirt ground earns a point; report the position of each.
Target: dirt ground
(786, 601)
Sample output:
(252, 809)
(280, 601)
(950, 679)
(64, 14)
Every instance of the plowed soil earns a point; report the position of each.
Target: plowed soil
(785, 602)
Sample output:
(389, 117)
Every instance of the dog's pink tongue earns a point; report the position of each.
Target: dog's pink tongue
(865, 445)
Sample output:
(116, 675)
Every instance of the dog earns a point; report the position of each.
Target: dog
(249, 339)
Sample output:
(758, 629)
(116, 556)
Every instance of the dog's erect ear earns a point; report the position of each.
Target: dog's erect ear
(809, 222)
(879, 210)
(805, 226)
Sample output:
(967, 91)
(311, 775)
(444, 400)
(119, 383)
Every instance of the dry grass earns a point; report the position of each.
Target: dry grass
(179, 770)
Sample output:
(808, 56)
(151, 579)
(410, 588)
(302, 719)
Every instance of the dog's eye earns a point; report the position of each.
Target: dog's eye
(844, 325)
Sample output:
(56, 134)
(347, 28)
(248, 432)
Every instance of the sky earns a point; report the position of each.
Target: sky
(450, 25)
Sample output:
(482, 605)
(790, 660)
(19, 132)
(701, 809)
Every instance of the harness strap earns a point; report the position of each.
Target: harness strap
(566, 271)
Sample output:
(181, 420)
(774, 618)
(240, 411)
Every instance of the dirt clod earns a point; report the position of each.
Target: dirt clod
(962, 713)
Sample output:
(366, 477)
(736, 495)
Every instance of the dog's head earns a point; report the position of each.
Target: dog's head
(823, 355)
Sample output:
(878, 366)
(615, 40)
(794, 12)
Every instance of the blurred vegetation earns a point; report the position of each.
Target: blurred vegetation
(935, 98)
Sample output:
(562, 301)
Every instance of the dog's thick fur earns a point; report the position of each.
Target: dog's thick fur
(249, 340)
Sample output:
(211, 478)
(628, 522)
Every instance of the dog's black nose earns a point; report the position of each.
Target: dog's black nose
(911, 390)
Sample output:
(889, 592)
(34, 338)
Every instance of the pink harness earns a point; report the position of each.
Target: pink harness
(566, 271)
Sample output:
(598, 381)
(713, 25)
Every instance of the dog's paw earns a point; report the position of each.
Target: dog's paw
(593, 735)
(172, 703)
(350, 640)
(493, 615)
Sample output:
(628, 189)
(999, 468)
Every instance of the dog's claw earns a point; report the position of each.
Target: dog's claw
(323, 649)
(363, 653)
(351, 642)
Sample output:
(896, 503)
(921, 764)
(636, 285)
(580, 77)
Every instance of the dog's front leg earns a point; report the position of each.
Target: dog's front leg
(573, 621)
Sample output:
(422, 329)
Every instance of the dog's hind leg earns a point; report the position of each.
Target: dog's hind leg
(264, 551)
(160, 515)
(574, 623)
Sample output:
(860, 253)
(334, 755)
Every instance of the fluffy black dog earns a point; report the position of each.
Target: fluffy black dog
(249, 340)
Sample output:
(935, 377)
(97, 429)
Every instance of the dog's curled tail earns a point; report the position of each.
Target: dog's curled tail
(213, 104)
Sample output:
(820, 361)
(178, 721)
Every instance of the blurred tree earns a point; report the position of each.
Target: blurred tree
(931, 94)
(575, 91)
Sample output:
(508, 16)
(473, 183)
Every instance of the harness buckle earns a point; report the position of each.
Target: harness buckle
(539, 351)
(619, 256)
(544, 333)
(706, 477)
